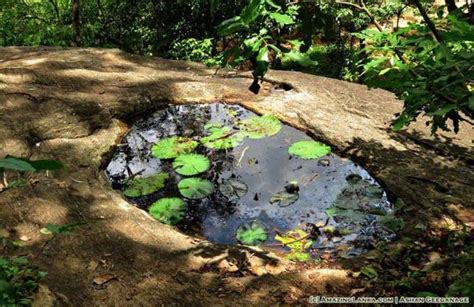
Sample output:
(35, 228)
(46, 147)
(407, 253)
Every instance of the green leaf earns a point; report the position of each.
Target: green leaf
(252, 11)
(168, 210)
(284, 199)
(230, 26)
(296, 239)
(369, 272)
(298, 256)
(309, 150)
(252, 233)
(172, 147)
(221, 137)
(58, 229)
(144, 186)
(195, 188)
(263, 55)
(282, 19)
(191, 164)
(16, 164)
(233, 189)
(260, 127)
(298, 57)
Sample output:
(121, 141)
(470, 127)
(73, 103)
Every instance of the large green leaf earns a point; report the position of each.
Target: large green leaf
(221, 137)
(260, 127)
(284, 199)
(282, 19)
(309, 150)
(172, 147)
(137, 187)
(252, 233)
(195, 188)
(191, 164)
(233, 189)
(168, 210)
(252, 11)
(15, 164)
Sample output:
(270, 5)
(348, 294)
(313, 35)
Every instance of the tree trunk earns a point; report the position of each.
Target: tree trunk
(76, 22)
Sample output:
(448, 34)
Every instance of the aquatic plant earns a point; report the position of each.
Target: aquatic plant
(299, 242)
(195, 188)
(137, 187)
(259, 127)
(168, 210)
(309, 150)
(284, 199)
(191, 164)
(233, 189)
(221, 137)
(253, 233)
(172, 147)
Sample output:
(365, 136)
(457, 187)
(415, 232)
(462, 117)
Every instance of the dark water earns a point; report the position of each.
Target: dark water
(266, 167)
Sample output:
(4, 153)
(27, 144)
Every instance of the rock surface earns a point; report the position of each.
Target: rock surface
(74, 104)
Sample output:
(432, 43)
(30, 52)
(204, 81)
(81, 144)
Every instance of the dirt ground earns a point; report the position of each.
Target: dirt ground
(73, 105)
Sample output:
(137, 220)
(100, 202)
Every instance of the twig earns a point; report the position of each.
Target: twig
(242, 156)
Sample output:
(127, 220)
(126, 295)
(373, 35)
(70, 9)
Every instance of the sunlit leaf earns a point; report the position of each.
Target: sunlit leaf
(137, 187)
(168, 210)
(195, 188)
(221, 137)
(309, 150)
(259, 127)
(172, 147)
(191, 164)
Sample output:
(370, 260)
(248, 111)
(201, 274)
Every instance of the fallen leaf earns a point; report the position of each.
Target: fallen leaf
(100, 280)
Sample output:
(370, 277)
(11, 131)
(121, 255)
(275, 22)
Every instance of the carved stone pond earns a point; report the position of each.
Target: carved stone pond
(225, 174)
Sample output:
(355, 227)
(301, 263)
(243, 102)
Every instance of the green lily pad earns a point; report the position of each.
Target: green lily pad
(253, 233)
(191, 164)
(233, 189)
(260, 127)
(143, 186)
(309, 150)
(168, 210)
(221, 137)
(284, 199)
(195, 188)
(172, 147)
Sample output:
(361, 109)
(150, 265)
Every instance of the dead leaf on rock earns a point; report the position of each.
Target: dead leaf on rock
(103, 279)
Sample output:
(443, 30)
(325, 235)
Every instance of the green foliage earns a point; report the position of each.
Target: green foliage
(192, 49)
(137, 187)
(309, 150)
(58, 229)
(168, 210)
(284, 199)
(25, 165)
(299, 242)
(253, 233)
(433, 78)
(172, 147)
(191, 164)
(259, 127)
(233, 189)
(195, 188)
(18, 281)
(221, 137)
